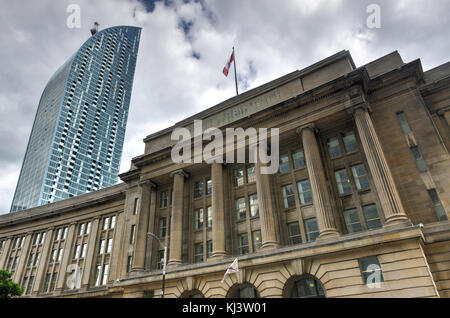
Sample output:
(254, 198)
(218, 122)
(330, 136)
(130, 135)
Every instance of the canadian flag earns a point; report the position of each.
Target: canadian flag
(233, 268)
(227, 67)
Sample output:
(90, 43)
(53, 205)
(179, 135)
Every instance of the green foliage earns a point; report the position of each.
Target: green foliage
(8, 288)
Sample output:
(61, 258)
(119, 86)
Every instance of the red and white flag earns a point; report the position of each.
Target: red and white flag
(233, 268)
(227, 67)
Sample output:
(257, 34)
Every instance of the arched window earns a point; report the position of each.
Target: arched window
(243, 291)
(192, 294)
(304, 287)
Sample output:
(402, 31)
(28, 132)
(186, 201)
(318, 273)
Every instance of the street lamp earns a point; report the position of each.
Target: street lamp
(164, 262)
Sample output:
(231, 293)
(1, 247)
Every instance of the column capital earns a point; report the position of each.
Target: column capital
(149, 183)
(364, 106)
(310, 126)
(181, 172)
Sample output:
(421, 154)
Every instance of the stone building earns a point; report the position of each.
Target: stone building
(363, 191)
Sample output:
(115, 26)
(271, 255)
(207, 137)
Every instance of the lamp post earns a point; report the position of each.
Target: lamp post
(164, 263)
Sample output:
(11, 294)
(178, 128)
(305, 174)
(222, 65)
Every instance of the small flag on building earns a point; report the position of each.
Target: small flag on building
(233, 268)
(226, 69)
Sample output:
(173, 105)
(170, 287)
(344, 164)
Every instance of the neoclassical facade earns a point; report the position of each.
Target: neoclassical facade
(358, 208)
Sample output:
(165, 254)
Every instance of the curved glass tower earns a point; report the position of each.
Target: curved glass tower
(79, 129)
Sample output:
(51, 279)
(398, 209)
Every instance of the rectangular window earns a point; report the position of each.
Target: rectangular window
(105, 224)
(198, 189)
(164, 200)
(64, 236)
(76, 253)
(136, 205)
(350, 142)
(53, 282)
(109, 246)
(129, 263)
(352, 221)
(98, 271)
(132, 233)
(42, 238)
(209, 249)
(160, 260)
(105, 274)
(47, 282)
(334, 148)
(295, 236)
(288, 196)
(304, 191)
(257, 240)
(243, 244)
(405, 127)
(36, 259)
(442, 216)
(208, 186)
(113, 222)
(419, 159)
(285, 166)
(101, 249)
(299, 159)
(30, 285)
(83, 250)
(372, 218)
(36, 239)
(343, 182)
(162, 227)
(312, 231)
(238, 177)
(254, 207)
(371, 270)
(360, 177)
(251, 173)
(240, 209)
(198, 219)
(30, 260)
(209, 216)
(198, 253)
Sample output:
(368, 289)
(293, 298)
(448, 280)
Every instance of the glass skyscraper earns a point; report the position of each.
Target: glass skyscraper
(77, 137)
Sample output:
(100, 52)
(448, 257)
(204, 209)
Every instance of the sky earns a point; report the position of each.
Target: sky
(184, 47)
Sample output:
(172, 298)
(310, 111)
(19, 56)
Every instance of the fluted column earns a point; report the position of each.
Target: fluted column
(176, 225)
(5, 253)
(142, 226)
(265, 204)
(319, 188)
(66, 258)
(90, 260)
(218, 211)
(42, 267)
(17, 277)
(381, 174)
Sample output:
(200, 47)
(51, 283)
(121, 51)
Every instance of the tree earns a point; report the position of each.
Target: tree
(8, 288)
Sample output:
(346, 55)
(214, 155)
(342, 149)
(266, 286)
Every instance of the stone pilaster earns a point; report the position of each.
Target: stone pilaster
(384, 182)
(176, 234)
(42, 267)
(319, 188)
(89, 264)
(265, 204)
(17, 277)
(66, 257)
(142, 226)
(218, 211)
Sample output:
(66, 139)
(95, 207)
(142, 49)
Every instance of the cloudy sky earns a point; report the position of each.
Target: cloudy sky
(185, 45)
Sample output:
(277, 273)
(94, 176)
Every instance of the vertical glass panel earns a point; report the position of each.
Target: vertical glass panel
(198, 219)
(343, 182)
(257, 240)
(350, 142)
(299, 159)
(288, 196)
(238, 177)
(240, 209)
(304, 191)
(352, 221)
(162, 227)
(372, 217)
(209, 216)
(208, 186)
(254, 207)
(284, 164)
(198, 189)
(312, 231)
(294, 233)
(198, 253)
(243, 244)
(251, 173)
(360, 177)
(334, 148)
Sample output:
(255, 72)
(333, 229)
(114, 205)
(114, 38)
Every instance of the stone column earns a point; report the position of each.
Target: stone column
(319, 188)
(5, 252)
(382, 177)
(17, 277)
(42, 267)
(89, 264)
(176, 234)
(65, 262)
(142, 226)
(218, 211)
(265, 204)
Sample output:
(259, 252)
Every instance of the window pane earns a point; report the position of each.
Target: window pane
(304, 191)
(372, 218)
(312, 231)
(343, 182)
(254, 207)
(350, 142)
(299, 159)
(243, 244)
(238, 177)
(164, 199)
(257, 240)
(162, 227)
(294, 233)
(284, 164)
(208, 186)
(334, 148)
(360, 176)
(198, 219)
(240, 209)
(251, 174)
(288, 196)
(352, 221)
(198, 252)
(209, 216)
(198, 189)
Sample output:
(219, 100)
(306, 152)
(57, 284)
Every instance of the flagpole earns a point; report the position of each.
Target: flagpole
(235, 74)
